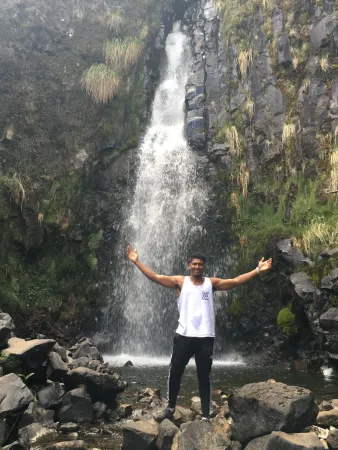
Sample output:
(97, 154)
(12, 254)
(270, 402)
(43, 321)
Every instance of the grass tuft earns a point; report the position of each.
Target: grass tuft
(324, 63)
(122, 53)
(115, 20)
(101, 82)
(244, 60)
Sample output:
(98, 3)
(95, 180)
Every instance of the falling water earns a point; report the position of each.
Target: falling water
(166, 216)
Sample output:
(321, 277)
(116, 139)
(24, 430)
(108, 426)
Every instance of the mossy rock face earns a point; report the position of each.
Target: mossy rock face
(12, 364)
(286, 321)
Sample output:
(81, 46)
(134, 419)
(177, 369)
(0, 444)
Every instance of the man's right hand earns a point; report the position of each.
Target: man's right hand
(132, 254)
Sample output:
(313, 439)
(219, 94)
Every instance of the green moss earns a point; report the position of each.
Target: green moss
(286, 321)
(235, 308)
(12, 364)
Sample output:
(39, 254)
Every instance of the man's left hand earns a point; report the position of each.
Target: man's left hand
(264, 266)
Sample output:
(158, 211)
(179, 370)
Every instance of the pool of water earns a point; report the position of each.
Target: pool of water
(227, 374)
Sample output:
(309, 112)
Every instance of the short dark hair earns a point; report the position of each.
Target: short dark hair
(198, 255)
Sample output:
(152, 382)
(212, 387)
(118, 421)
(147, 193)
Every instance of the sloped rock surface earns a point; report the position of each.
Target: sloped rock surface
(140, 435)
(14, 394)
(33, 352)
(283, 441)
(201, 435)
(260, 408)
(76, 406)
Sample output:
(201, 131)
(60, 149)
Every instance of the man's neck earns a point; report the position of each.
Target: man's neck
(198, 281)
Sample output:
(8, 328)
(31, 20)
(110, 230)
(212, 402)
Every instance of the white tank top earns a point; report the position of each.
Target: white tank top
(196, 307)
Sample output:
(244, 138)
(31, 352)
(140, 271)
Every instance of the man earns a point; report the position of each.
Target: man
(196, 325)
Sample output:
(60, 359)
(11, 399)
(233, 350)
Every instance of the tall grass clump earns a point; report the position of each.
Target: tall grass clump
(244, 60)
(320, 233)
(234, 143)
(334, 170)
(15, 188)
(122, 53)
(243, 178)
(289, 133)
(101, 82)
(115, 20)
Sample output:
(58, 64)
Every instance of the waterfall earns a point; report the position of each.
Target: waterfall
(165, 219)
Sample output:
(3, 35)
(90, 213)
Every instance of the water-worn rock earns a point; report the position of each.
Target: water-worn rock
(68, 445)
(88, 351)
(283, 441)
(99, 409)
(51, 395)
(33, 352)
(201, 435)
(260, 408)
(6, 328)
(328, 418)
(14, 394)
(101, 386)
(125, 410)
(166, 435)
(183, 415)
(76, 406)
(329, 320)
(35, 414)
(140, 435)
(35, 433)
(69, 427)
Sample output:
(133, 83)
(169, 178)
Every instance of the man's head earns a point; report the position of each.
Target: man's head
(197, 264)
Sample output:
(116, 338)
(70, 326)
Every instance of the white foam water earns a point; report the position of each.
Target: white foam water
(153, 361)
(166, 215)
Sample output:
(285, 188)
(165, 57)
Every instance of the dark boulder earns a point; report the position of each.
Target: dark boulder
(76, 406)
(260, 408)
(33, 353)
(50, 396)
(101, 386)
(321, 33)
(290, 254)
(284, 52)
(304, 287)
(56, 368)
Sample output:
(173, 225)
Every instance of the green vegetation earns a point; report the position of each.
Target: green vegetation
(115, 19)
(286, 321)
(122, 54)
(235, 308)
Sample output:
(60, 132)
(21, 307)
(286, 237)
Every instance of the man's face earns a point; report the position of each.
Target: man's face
(196, 267)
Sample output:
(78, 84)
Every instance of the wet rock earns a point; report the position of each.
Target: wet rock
(51, 395)
(76, 406)
(14, 395)
(34, 352)
(290, 254)
(6, 328)
(68, 445)
(99, 410)
(56, 368)
(128, 364)
(283, 441)
(125, 410)
(36, 414)
(284, 52)
(35, 434)
(101, 386)
(201, 435)
(321, 33)
(328, 418)
(329, 320)
(305, 289)
(166, 435)
(80, 362)
(260, 408)
(195, 127)
(139, 435)
(69, 427)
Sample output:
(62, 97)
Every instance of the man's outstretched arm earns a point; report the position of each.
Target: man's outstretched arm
(163, 280)
(223, 285)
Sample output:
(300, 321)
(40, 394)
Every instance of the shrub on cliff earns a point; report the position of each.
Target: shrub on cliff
(286, 321)
(101, 82)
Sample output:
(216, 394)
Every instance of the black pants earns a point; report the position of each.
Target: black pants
(183, 349)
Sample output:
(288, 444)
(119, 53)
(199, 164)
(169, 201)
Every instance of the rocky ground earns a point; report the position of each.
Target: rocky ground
(57, 398)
